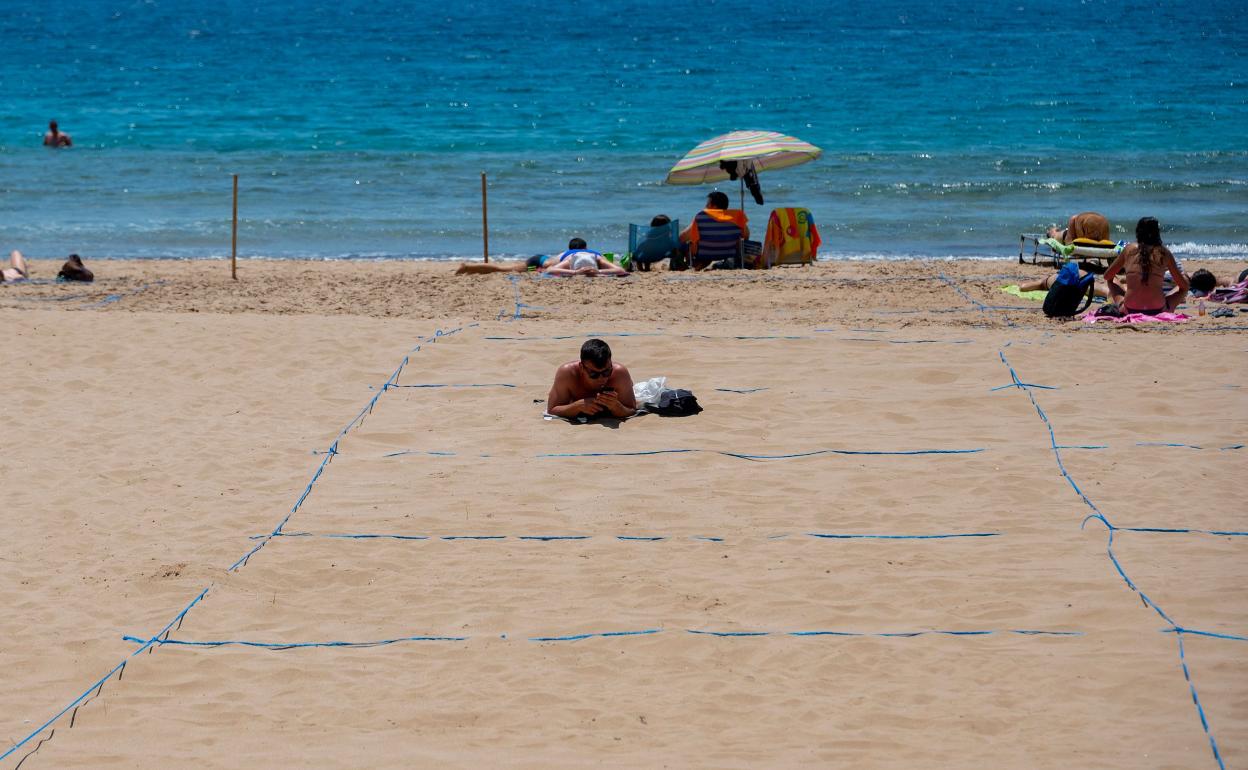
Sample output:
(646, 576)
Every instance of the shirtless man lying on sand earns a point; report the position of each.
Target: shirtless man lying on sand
(593, 386)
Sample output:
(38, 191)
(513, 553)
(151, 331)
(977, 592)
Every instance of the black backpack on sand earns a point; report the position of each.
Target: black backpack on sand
(1063, 299)
(675, 403)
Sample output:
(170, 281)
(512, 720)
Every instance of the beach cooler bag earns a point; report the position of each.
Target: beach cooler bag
(1070, 294)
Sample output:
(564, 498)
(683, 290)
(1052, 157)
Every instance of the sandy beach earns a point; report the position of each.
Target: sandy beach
(872, 549)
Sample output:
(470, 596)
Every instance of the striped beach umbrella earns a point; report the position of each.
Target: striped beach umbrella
(763, 150)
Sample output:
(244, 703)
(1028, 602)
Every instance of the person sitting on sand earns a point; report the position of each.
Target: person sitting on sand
(580, 260)
(1143, 264)
(657, 244)
(716, 232)
(54, 138)
(1089, 225)
(594, 386)
(17, 271)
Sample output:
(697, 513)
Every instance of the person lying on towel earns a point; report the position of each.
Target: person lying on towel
(581, 260)
(594, 386)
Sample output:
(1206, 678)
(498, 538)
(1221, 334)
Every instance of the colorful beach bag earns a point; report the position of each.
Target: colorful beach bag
(1070, 294)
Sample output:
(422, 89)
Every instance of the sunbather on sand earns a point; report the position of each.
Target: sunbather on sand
(1143, 264)
(1089, 224)
(1045, 283)
(1205, 283)
(580, 260)
(594, 386)
(538, 262)
(17, 271)
(577, 260)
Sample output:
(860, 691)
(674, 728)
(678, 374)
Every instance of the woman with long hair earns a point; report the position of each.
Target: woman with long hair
(1144, 265)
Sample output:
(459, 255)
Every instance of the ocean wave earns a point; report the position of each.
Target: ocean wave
(1211, 250)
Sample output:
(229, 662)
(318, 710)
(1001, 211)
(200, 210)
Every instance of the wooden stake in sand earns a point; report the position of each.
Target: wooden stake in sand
(485, 223)
(234, 235)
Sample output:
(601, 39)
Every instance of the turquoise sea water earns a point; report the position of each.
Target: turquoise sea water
(361, 128)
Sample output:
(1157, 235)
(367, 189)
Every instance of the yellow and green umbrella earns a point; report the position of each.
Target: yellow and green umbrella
(760, 150)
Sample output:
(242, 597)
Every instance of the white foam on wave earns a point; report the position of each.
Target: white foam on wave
(1211, 250)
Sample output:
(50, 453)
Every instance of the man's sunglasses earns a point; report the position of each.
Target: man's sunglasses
(597, 374)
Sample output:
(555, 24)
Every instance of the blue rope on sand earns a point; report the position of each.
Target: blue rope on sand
(902, 537)
(1189, 446)
(1211, 634)
(602, 634)
(741, 456)
(281, 646)
(741, 390)
(520, 305)
(98, 685)
(1023, 386)
(420, 452)
(906, 342)
(1178, 531)
(980, 306)
(887, 634)
(456, 385)
(332, 451)
(1113, 558)
(500, 338)
(636, 538)
(296, 645)
(111, 298)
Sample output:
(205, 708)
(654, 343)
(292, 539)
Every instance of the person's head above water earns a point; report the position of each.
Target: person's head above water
(597, 354)
(52, 126)
(717, 200)
(577, 243)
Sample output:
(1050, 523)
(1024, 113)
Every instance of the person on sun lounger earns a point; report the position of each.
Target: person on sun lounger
(1143, 264)
(581, 260)
(594, 386)
(16, 271)
(1089, 225)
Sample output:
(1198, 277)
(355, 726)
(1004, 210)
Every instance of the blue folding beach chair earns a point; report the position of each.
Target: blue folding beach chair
(649, 244)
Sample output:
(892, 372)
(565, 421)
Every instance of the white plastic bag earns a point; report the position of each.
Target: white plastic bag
(648, 392)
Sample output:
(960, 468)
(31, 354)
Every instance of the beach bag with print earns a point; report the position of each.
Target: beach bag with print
(1070, 294)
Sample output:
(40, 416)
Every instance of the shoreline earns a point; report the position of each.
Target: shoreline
(890, 292)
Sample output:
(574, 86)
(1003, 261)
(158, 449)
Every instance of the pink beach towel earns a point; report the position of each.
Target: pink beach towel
(1135, 318)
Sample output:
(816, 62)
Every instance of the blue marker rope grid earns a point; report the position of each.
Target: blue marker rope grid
(1098, 515)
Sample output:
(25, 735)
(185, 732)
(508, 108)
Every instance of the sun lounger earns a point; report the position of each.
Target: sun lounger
(1093, 256)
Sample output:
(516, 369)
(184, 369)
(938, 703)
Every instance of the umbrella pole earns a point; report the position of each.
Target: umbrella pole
(485, 224)
(743, 192)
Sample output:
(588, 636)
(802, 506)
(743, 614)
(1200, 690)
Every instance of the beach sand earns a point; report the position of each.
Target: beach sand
(162, 422)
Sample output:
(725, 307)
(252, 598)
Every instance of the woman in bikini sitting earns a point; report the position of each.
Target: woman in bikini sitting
(1144, 265)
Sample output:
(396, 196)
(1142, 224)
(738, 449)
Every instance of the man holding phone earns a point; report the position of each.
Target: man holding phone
(594, 386)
